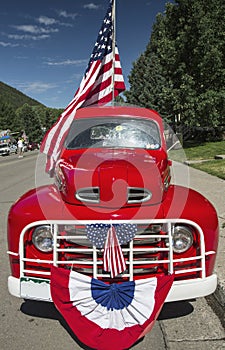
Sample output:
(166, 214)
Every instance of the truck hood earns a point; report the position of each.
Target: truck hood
(110, 178)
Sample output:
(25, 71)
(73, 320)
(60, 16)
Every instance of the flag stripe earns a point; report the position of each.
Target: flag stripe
(48, 144)
(113, 259)
(58, 134)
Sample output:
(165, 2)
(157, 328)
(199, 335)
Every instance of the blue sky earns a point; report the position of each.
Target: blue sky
(45, 45)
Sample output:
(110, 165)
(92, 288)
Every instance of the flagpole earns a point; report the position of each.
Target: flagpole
(113, 49)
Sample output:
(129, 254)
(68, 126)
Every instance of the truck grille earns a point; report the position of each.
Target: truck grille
(148, 254)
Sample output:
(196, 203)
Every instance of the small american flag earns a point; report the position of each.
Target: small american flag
(113, 259)
(111, 237)
(102, 77)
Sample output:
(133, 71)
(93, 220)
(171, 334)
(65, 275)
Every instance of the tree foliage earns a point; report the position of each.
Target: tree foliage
(7, 115)
(182, 71)
(19, 112)
(15, 97)
(31, 124)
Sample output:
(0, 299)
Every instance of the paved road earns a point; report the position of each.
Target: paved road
(34, 326)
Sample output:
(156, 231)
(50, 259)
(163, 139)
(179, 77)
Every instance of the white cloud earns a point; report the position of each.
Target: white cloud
(28, 37)
(46, 20)
(36, 87)
(91, 6)
(4, 44)
(28, 28)
(32, 32)
(68, 62)
(65, 24)
(65, 14)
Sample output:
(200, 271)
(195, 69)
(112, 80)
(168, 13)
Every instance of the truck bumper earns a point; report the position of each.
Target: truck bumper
(39, 289)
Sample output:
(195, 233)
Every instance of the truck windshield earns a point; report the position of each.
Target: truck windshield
(113, 132)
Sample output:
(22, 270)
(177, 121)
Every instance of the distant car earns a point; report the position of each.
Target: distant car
(4, 149)
(32, 146)
(13, 148)
(113, 170)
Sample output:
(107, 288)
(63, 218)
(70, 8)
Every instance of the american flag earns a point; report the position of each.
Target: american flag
(103, 76)
(111, 237)
(113, 259)
(97, 233)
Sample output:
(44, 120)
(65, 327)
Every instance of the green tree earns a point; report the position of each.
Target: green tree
(30, 122)
(8, 118)
(182, 71)
(48, 120)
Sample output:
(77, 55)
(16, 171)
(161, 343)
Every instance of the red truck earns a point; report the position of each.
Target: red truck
(113, 171)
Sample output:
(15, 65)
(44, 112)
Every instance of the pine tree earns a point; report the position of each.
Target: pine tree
(30, 123)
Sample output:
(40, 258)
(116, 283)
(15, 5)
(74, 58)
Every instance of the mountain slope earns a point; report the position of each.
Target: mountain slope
(16, 98)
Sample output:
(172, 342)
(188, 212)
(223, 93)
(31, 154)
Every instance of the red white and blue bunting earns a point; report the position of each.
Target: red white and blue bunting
(108, 316)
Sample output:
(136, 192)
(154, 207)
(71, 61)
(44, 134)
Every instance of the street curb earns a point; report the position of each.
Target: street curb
(190, 162)
(217, 157)
(217, 303)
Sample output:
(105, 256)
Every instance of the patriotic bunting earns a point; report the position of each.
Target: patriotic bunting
(108, 316)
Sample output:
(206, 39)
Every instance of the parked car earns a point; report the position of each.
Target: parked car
(13, 148)
(4, 149)
(113, 170)
(32, 146)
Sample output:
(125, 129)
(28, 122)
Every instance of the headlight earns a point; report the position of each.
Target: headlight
(182, 239)
(42, 238)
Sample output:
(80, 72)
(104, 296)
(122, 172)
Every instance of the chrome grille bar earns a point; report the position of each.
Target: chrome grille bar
(94, 255)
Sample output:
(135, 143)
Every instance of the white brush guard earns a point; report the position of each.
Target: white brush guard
(38, 288)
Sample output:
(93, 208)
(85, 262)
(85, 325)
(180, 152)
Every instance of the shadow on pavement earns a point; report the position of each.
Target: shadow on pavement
(49, 311)
(175, 310)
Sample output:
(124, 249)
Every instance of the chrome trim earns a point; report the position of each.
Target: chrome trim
(166, 182)
(140, 192)
(88, 192)
(12, 253)
(130, 250)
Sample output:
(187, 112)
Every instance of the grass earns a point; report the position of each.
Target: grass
(213, 167)
(206, 153)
